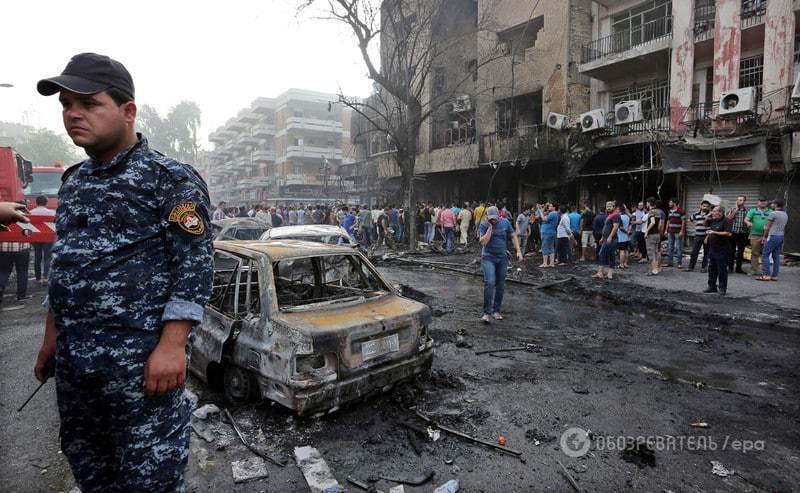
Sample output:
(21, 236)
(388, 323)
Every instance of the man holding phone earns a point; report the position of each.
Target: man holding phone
(494, 235)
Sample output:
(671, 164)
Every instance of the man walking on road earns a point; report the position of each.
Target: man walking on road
(129, 280)
(773, 232)
(494, 235)
(718, 235)
(740, 236)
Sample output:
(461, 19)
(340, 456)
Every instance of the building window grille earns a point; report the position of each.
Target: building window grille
(751, 73)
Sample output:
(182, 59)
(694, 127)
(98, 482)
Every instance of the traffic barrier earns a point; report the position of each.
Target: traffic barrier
(41, 229)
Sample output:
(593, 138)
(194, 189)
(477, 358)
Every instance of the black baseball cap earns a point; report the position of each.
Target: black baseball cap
(89, 73)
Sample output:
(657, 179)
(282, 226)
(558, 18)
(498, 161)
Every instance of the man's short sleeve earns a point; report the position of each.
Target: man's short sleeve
(185, 217)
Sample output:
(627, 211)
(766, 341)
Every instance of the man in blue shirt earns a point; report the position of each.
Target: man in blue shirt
(494, 235)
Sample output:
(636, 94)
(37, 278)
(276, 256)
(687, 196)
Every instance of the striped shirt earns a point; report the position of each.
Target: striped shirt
(738, 225)
(699, 220)
(13, 247)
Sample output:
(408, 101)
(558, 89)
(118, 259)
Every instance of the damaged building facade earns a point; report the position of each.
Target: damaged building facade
(690, 98)
(284, 149)
(584, 101)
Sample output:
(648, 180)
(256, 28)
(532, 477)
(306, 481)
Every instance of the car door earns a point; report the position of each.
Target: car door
(221, 320)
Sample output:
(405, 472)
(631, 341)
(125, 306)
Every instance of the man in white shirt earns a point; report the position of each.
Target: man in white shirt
(42, 251)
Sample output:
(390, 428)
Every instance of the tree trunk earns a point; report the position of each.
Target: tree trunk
(411, 211)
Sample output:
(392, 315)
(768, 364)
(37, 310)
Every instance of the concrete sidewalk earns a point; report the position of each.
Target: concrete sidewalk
(783, 293)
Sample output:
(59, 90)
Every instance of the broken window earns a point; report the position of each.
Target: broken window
(516, 116)
(516, 40)
(224, 287)
(249, 293)
(304, 283)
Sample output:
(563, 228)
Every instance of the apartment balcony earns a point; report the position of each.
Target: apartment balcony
(654, 121)
(221, 136)
(303, 124)
(263, 130)
(304, 151)
(753, 12)
(236, 125)
(248, 140)
(264, 156)
(632, 50)
(525, 143)
(249, 116)
(263, 106)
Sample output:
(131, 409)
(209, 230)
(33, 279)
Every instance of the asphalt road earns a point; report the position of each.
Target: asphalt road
(610, 358)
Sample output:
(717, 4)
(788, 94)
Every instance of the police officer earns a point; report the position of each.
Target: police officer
(132, 270)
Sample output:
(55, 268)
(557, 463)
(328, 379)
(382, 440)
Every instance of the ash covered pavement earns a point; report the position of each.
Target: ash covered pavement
(651, 389)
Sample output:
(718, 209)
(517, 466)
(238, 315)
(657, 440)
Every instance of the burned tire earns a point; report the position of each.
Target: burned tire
(238, 384)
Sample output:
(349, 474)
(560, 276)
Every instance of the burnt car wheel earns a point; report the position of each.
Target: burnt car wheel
(238, 384)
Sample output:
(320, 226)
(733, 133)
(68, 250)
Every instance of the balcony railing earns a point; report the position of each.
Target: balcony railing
(653, 120)
(622, 41)
(450, 137)
(526, 143)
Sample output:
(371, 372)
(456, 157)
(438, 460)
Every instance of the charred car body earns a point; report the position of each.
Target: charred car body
(307, 325)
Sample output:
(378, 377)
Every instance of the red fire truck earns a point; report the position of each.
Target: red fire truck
(46, 180)
(16, 180)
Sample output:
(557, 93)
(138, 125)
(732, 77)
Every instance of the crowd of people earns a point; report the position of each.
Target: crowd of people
(613, 236)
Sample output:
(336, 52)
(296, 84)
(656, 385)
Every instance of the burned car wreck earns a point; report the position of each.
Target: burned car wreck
(307, 325)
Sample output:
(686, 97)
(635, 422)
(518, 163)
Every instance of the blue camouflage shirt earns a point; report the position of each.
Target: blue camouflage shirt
(133, 249)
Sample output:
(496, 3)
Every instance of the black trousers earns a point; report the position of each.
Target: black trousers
(717, 273)
(738, 242)
(697, 244)
(42, 255)
(641, 244)
(19, 261)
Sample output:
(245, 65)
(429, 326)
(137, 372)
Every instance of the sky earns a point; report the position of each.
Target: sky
(220, 54)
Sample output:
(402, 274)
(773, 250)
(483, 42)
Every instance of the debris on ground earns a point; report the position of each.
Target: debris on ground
(580, 390)
(397, 489)
(249, 469)
(250, 447)
(203, 430)
(434, 434)
(316, 471)
(527, 347)
(717, 469)
(449, 487)
(640, 454)
(417, 480)
(466, 436)
(538, 437)
(700, 424)
(205, 411)
(697, 340)
(569, 477)
(362, 485)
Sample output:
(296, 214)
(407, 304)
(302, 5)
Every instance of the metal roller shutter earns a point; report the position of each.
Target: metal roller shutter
(727, 192)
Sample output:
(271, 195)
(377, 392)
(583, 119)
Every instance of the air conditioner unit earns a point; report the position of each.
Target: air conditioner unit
(593, 120)
(462, 103)
(739, 101)
(626, 112)
(796, 89)
(557, 121)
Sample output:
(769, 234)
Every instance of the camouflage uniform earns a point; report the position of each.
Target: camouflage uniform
(132, 251)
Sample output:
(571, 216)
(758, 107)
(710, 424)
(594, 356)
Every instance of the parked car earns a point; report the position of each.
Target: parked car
(320, 233)
(308, 325)
(238, 228)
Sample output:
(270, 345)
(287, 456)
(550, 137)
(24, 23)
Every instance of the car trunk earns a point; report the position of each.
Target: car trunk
(365, 335)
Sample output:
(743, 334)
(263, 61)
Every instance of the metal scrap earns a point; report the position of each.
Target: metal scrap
(527, 347)
(419, 480)
(316, 471)
(259, 453)
(467, 437)
(571, 480)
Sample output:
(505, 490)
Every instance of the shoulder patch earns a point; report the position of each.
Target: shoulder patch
(186, 217)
